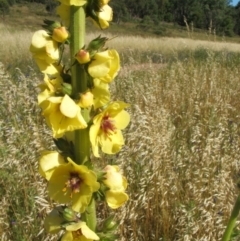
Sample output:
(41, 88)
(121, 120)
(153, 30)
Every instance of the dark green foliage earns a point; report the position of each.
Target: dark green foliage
(4, 7)
(51, 5)
(213, 16)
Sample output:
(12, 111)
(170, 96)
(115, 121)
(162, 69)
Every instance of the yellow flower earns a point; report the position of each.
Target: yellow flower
(106, 128)
(117, 185)
(101, 93)
(73, 183)
(62, 114)
(50, 87)
(64, 12)
(44, 49)
(44, 95)
(105, 65)
(79, 232)
(104, 16)
(52, 83)
(48, 162)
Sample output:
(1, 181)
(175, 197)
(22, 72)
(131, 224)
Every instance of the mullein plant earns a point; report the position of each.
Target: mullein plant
(77, 106)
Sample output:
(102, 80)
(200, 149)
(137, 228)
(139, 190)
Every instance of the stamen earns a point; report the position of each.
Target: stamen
(108, 125)
(77, 233)
(74, 183)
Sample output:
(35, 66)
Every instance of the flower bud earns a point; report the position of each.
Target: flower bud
(96, 44)
(50, 25)
(69, 215)
(86, 100)
(83, 56)
(109, 224)
(67, 89)
(60, 34)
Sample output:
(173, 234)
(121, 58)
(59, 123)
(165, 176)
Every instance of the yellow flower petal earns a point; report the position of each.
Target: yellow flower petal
(101, 93)
(116, 199)
(61, 124)
(44, 48)
(93, 133)
(64, 12)
(67, 237)
(73, 2)
(122, 120)
(68, 107)
(48, 162)
(47, 68)
(105, 16)
(44, 95)
(113, 144)
(105, 65)
(106, 13)
(85, 234)
(117, 185)
(100, 66)
(52, 50)
(39, 40)
(88, 233)
(58, 112)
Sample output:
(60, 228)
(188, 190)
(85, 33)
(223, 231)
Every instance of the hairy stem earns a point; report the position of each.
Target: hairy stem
(80, 85)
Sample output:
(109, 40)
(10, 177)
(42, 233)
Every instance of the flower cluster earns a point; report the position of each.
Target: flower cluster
(73, 182)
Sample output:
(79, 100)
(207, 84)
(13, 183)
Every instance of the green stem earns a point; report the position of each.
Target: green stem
(232, 220)
(79, 80)
(80, 85)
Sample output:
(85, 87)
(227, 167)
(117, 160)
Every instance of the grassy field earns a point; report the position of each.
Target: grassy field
(182, 156)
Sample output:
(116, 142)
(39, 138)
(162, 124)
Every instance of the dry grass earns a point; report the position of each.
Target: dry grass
(182, 153)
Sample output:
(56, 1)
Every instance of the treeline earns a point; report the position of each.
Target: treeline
(217, 16)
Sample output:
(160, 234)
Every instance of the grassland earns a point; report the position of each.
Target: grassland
(182, 149)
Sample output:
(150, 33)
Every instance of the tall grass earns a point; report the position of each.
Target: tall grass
(182, 153)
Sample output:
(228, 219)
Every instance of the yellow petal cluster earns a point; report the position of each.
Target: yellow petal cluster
(104, 16)
(62, 114)
(117, 185)
(45, 50)
(106, 129)
(79, 232)
(105, 65)
(72, 183)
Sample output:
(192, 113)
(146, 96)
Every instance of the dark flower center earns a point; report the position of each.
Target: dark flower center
(74, 183)
(77, 233)
(108, 125)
